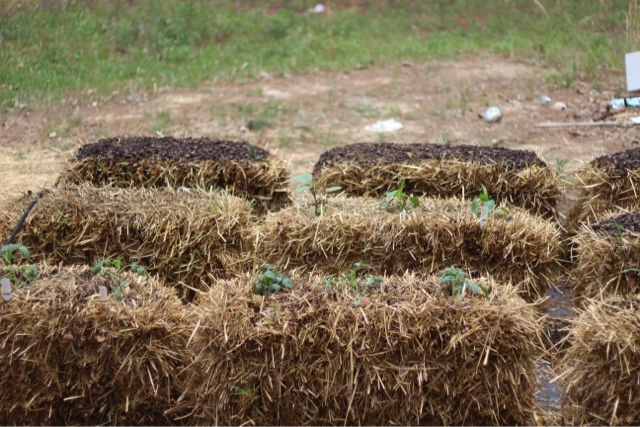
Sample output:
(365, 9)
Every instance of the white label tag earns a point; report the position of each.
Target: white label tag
(484, 214)
(103, 293)
(6, 289)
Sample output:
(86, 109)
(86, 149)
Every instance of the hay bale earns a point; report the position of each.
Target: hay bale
(69, 358)
(182, 235)
(607, 255)
(514, 246)
(517, 177)
(242, 168)
(411, 355)
(607, 182)
(599, 371)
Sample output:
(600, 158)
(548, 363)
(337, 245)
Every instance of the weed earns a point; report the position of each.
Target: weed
(398, 200)
(9, 255)
(561, 164)
(113, 268)
(359, 278)
(482, 201)
(455, 279)
(306, 179)
(270, 281)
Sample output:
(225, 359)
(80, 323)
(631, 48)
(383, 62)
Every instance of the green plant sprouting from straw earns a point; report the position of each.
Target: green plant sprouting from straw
(398, 199)
(270, 281)
(306, 179)
(114, 269)
(9, 255)
(458, 282)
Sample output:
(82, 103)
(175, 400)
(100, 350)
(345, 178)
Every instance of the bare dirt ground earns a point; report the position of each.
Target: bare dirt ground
(298, 117)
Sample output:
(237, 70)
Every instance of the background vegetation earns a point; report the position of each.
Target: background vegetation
(51, 47)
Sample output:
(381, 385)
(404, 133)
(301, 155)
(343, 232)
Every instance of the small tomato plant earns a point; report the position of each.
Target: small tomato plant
(270, 281)
(306, 179)
(114, 268)
(456, 280)
(9, 255)
(483, 199)
(397, 199)
(359, 278)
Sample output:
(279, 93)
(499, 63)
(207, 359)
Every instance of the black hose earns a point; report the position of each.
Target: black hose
(27, 211)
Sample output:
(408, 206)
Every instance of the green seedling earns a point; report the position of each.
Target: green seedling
(270, 281)
(114, 269)
(482, 199)
(306, 179)
(9, 255)
(359, 278)
(561, 164)
(397, 199)
(457, 280)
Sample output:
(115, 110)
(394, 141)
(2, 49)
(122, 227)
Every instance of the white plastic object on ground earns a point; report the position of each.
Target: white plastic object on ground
(492, 115)
(390, 125)
(559, 106)
(319, 8)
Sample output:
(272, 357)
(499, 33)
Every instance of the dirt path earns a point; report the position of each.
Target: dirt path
(299, 117)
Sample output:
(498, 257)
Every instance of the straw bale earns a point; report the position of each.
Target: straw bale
(182, 235)
(603, 252)
(513, 246)
(243, 169)
(531, 185)
(606, 183)
(599, 371)
(411, 355)
(69, 358)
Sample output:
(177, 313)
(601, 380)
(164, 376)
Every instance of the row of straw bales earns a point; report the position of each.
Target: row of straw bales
(412, 355)
(513, 245)
(186, 236)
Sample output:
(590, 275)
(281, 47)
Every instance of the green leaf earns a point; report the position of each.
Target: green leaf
(384, 204)
(23, 249)
(490, 204)
(32, 272)
(483, 289)
(96, 268)
(106, 262)
(474, 206)
(287, 283)
(124, 283)
(270, 275)
(414, 201)
(391, 194)
(303, 178)
(332, 189)
(274, 288)
(134, 266)
(141, 270)
(301, 190)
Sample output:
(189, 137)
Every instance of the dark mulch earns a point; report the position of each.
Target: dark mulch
(370, 154)
(622, 161)
(619, 224)
(187, 149)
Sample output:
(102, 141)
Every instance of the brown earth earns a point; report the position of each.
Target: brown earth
(189, 149)
(622, 161)
(299, 117)
(629, 222)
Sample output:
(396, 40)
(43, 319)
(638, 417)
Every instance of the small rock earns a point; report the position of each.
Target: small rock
(559, 106)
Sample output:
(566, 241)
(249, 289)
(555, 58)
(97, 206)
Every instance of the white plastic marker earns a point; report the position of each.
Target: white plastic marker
(103, 293)
(6, 289)
(484, 215)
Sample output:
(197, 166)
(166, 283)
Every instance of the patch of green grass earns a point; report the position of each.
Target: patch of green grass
(51, 50)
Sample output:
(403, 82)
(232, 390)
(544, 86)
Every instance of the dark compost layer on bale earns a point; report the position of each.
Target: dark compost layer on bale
(372, 169)
(182, 235)
(245, 169)
(601, 366)
(607, 182)
(513, 246)
(410, 356)
(607, 257)
(70, 358)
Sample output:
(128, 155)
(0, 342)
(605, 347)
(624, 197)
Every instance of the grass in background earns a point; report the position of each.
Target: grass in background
(49, 48)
